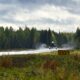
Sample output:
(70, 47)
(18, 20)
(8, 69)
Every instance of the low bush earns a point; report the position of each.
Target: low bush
(6, 61)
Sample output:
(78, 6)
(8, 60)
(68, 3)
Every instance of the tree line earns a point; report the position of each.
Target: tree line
(29, 38)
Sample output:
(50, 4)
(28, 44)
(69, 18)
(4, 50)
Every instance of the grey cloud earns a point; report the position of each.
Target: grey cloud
(15, 5)
(71, 5)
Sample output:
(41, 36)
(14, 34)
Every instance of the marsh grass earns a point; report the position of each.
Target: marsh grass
(46, 66)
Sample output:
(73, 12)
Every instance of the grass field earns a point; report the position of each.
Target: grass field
(46, 66)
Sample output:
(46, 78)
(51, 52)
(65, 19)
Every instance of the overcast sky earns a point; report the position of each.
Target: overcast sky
(58, 15)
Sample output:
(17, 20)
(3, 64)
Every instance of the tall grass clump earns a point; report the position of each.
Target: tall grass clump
(5, 61)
